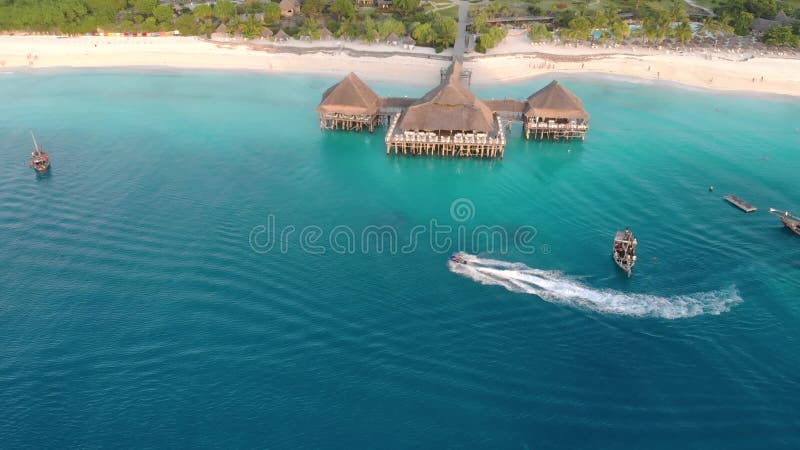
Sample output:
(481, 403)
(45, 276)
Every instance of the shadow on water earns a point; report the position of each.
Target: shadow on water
(44, 176)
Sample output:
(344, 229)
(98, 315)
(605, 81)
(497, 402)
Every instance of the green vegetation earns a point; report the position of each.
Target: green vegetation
(488, 36)
(782, 37)
(538, 32)
(439, 33)
(572, 19)
(660, 20)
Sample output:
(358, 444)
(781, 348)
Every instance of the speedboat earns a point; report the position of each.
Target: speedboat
(458, 258)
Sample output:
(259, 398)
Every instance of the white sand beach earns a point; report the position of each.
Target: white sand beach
(514, 59)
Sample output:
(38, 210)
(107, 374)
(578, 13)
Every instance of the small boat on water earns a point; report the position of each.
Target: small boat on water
(625, 250)
(40, 160)
(791, 221)
(458, 258)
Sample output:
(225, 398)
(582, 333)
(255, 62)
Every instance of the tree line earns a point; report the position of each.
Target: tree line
(341, 17)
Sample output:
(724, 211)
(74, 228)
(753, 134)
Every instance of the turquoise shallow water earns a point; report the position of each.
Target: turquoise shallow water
(135, 312)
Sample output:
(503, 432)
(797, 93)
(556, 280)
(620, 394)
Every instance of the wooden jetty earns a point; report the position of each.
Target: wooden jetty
(739, 203)
(555, 113)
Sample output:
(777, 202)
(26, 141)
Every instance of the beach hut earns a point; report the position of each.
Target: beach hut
(448, 121)
(281, 36)
(267, 34)
(237, 35)
(221, 33)
(409, 43)
(385, 4)
(554, 112)
(288, 7)
(349, 105)
(326, 34)
(392, 39)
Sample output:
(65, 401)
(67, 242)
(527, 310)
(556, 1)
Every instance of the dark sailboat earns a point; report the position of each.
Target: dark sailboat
(791, 221)
(625, 250)
(40, 160)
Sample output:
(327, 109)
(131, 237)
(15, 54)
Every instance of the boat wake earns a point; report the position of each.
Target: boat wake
(555, 287)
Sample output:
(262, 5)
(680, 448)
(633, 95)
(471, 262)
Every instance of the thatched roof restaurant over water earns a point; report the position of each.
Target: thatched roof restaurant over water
(555, 112)
(449, 120)
(450, 107)
(350, 105)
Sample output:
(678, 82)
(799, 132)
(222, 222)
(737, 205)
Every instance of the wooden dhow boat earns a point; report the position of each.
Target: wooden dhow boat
(40, 160)
(791, 221)
(625, 250)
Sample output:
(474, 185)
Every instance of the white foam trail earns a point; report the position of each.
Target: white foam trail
(556, 287)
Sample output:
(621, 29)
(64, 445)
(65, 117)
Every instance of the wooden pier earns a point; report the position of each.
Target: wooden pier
(739, 203)
(421, 143)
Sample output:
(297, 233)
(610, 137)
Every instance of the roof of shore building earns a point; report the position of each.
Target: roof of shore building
(281, 35)
(350, 96)
(449, 107)
(557, 102)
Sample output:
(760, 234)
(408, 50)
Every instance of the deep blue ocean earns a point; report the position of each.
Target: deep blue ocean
(204, 267)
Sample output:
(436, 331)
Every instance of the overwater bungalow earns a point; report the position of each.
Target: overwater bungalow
(349, 105)
(447, 121)
(555, 113)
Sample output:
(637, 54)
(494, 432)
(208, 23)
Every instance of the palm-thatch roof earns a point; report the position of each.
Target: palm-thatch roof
(267, 33)
(392, 38)
(763, 25)
(326, 34)
(554, 101)
(221, 29)
(350, 96)
(288, 7)
(281, 35)
(783, 19)
(449, 107)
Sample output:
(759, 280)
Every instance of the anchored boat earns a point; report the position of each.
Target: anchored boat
(625, 250)
(791, 221)
(40, 160)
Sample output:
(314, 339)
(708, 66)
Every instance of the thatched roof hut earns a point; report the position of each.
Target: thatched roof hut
(451, 106)
(762, 25)
(267, 33)
(326, 34)
(288, 7)
(350, 96)
(783, 19)
(281, 36)
(220, 33)
(392, 39)
(554, 101)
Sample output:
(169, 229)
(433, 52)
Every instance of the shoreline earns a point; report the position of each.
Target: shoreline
(511, 62)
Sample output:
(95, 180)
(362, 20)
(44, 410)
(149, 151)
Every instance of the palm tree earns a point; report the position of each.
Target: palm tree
(684, 32)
